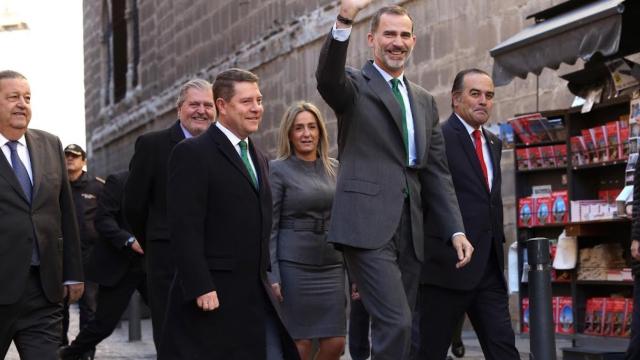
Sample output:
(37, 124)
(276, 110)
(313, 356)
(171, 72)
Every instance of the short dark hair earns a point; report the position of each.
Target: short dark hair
(458, 82)
(223, 86)
(391, 9)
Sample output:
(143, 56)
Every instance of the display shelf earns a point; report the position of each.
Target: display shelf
(582, 182)
(603, 283)
(595, 227)
(543, 143)
(560, 169)
(602, 164)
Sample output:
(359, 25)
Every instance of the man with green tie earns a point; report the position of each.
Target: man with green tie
(219, 211)
(393, 172)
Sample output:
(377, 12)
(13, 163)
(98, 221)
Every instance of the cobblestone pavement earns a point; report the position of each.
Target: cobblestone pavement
(118, 347)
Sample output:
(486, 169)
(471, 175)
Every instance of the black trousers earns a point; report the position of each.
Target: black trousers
(387, 280)
(160, 270)
(87, 305)
(112, 302)
(33, 323)
(359, 323)
(487, 307)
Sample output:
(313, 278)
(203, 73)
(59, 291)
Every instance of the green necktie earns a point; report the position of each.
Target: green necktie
(245, 159)
(405, 131)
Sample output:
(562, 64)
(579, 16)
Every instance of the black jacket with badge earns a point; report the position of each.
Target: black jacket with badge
(86, 190)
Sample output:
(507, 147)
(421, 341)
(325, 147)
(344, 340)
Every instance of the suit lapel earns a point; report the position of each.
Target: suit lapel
(468, 148)
(495, 148)
(34, 145)
(176, 134)
(383, 90)
(229, 151)
(418, 110)
(6, 172)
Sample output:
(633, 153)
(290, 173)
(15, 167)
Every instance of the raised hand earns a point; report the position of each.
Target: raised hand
(350, 8)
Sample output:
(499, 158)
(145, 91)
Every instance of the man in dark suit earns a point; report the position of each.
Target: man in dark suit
(115, 264)
(219, 211)
(479, 289)
(40, 262)
(392, 162)
(145, 205)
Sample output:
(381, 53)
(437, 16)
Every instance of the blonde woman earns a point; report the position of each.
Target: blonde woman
(307, 273)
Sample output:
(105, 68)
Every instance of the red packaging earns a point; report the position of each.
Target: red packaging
(519, 130)
(613, 195)
(613, 139)
(628, 314)
(600, 139)
(525, 315)
(624, 142)
(537, 157)
(542, 210)
(564, 325)
(560, 207)
(603, 195)
(522, 159)
(560, 152)
(525, 212)
(578, 151)
(615, 316)
(594, 316)
(548, 156)
(590, 145)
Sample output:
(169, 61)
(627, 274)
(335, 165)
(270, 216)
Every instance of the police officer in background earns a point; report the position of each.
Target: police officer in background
(85, 190)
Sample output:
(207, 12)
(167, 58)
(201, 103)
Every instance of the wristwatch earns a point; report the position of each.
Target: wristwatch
(130, 242)
(344, 20)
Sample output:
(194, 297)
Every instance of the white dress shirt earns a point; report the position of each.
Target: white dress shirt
(486, 154)
(23, 153)
(235, 141)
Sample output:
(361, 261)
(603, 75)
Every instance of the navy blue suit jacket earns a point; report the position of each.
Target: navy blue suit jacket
(481, 213)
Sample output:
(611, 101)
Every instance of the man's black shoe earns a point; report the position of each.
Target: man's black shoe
(457, 349)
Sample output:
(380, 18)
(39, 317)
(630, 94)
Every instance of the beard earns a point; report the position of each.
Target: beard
(393, 64)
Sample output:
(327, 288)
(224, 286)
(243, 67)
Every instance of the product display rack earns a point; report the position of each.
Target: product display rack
(582, 182)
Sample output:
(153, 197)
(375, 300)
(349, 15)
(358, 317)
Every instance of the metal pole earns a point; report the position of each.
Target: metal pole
(542, 340)
(135, 330)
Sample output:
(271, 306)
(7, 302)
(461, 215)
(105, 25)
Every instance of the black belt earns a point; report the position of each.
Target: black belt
(318, 226)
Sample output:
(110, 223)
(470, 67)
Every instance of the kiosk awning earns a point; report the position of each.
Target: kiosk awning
(578, 33)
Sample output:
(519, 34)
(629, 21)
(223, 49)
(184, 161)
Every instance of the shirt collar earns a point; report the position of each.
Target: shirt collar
(470, 129)
(22, 140)
(231, 136)
(186, 132)
(386, 75)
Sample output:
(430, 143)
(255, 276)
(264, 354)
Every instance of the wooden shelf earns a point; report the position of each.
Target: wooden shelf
(554, 283)
(594, 228)
(542, 226)
(522, 171)
(600, 164)
(604, 282)
(544, 143)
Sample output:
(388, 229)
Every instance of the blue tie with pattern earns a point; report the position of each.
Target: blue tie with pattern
(20, 170)
(25, 182)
